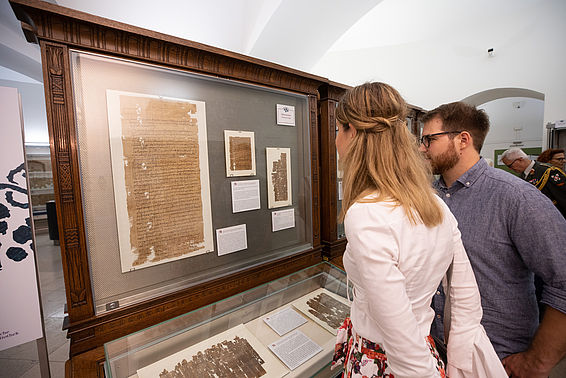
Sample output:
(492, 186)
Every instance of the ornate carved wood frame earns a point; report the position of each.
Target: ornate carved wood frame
(329, 96)
(58, 29)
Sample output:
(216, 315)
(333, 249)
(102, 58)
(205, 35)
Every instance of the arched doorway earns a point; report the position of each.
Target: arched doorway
(516, 119)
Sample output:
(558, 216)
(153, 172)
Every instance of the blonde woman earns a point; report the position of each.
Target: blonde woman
(402, 240)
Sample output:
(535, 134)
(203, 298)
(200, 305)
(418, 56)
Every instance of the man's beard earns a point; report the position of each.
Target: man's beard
(444, 161)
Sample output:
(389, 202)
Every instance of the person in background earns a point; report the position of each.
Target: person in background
(552, 156)
(402, 240)
(551, 181)
(510, 231)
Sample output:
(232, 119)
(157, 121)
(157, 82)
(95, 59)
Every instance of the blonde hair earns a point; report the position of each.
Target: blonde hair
(383, 156)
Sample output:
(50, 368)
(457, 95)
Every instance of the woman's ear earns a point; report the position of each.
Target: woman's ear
(353, 132)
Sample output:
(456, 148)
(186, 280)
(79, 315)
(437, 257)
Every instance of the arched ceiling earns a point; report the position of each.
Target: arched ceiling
(298, 33)
(439, 44)
(498, 93)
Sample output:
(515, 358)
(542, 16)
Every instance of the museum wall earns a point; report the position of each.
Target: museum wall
(445, 59)
(33, 108)
(508, 114)
(402, 43)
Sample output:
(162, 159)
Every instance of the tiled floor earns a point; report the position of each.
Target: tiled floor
(23, 360)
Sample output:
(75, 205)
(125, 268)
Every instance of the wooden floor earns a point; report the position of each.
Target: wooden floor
(338, 262)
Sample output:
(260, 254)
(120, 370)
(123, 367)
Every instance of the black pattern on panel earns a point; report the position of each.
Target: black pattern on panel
(16, 242)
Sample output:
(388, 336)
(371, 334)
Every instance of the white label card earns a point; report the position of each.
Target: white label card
(285, 321)
(285, 115)
(231, 239)
(282, 219)
(295, 349)
(245, 195)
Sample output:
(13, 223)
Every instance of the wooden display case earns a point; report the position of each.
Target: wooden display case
(65, 37)
(40, 177)
(332, 233)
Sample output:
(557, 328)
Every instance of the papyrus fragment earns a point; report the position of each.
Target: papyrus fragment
(162, 177)
(279, 178)
(240, 153)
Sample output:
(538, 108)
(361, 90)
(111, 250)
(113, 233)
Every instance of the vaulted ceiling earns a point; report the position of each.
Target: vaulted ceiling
(432, 50)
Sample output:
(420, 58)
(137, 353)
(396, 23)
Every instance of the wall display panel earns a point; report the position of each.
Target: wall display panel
(20, 312)
(107, 88)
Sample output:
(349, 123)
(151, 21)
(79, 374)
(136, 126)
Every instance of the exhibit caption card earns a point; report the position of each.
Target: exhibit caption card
(285, 321)
(245, 195)
(236, 351)
(231, 239)
(283, 219)
(325, 308)
(285, 115)
(295, 349)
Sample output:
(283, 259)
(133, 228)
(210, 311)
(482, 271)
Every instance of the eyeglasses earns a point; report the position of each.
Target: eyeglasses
(427, 139)
(511, 164)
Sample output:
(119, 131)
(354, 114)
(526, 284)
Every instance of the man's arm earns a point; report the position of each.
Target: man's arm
(547, 348)
(539, 233)
(557, 188)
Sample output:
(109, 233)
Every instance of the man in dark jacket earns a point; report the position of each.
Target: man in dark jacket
(551, 181)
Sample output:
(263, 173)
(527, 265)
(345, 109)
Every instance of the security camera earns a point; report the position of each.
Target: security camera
(490, 52)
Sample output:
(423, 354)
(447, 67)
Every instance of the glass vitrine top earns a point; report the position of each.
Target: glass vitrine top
(306, 307)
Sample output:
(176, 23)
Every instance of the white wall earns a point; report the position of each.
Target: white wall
(444, 54)
(508, 114)
(433, 51)
(33, 109)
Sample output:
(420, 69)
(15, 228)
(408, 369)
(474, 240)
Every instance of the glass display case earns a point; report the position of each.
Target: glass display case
(173, 165)
(240, 333)
(40, 178)
(182, 173)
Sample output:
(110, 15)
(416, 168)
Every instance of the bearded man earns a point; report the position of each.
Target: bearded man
(510, 231)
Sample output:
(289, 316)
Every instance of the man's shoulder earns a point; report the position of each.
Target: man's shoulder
(514, 191)
(540, 168)
(505, 187)
(556, 177)
(499, 178)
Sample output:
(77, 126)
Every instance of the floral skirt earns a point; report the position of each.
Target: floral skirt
(363, 358)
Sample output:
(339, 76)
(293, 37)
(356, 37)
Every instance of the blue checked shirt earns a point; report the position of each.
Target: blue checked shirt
(510, 231)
